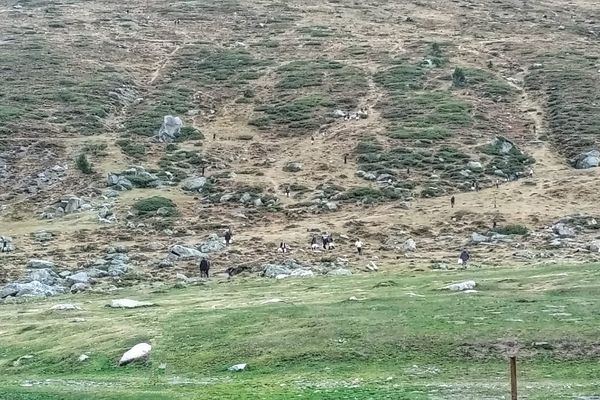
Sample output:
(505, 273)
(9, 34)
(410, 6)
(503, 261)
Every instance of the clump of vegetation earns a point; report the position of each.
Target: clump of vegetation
(573, 109)
(196, 67)
(486, 84)
(458, 77)
(83, 164)
(326, 85)
(189, 133)
(135, 150)
(152, 204)
(512, 230)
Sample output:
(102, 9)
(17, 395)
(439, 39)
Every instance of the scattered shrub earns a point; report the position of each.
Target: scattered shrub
(512, 230)
(152, 204)
(83, 164)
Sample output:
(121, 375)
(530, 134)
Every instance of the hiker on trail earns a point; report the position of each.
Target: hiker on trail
(407, 171)
(452, 201)
(325, 240)
(214, 135)
(203, 168)
(359, 246)
(204, 267)
(497, 183)
(494, 223)
(345, 158)
(283, 247)
(464, 258)
(228, 237)
(287, 190)
(312, 140)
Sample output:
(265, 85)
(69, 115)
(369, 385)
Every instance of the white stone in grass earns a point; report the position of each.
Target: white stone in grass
(128, 303)
(237, 367)
(83, 357)
(138, 352)
(65, 307)
(462, 286)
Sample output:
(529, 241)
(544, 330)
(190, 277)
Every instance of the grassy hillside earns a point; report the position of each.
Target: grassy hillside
(401, 338)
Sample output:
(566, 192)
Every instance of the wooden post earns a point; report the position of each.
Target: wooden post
(513, 378)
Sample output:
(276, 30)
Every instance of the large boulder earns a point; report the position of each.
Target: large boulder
(80, 277)
(38, 264)
(170, 128)
(44, 275)
(138, 352)
(274, 270)
(33, 289)
(339, 272)
(6, 244)
(594, 246)
(588, 159)
(193, 184)
(212, 245)
(128, 303)
(461, 286)
(479, 238)
(474, 166)
(503, 145)
(564, 231)
(186, 253)
(409, 246)
(72, 204)
(293, 167)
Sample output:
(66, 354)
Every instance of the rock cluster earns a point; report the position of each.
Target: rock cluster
(292, 268)
(135, 176)
(67, 205)
(43, 279)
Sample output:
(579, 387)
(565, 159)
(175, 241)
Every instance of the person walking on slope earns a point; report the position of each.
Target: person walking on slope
(464, 258)
(228, 237)
(204, 267)
(359, 245)
(452, 201)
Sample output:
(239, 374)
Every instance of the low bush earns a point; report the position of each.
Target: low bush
(152, 204)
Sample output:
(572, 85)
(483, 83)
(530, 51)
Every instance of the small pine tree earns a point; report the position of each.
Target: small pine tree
(458, 77)
(83, 164)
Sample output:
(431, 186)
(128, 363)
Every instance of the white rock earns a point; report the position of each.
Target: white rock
(128, 303)
(138, 352)
(466, 285)
(65, 307)
(237, 367)
(409, 246)
(83, 357)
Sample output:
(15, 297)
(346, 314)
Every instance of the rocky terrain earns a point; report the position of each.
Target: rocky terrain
(137, 134)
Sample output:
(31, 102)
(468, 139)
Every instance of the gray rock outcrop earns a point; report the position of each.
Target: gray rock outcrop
(193, 184)
(35, 264)
(186, 253)
(170, 128)
(293, 167)
(588, 159)
(212, 245)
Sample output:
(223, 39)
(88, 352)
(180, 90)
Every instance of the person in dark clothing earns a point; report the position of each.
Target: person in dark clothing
(452, 201)
(345, 158)
(215, 136)
(287, 190)
(203, 168)
(227, 237)
(325, 240)
(464, 257)
(204, 267)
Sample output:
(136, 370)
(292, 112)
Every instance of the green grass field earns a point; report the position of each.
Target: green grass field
(402, 339)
